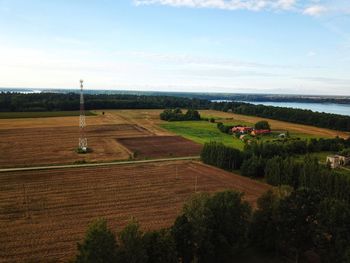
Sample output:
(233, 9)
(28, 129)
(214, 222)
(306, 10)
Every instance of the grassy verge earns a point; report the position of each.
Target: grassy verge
(41, 114)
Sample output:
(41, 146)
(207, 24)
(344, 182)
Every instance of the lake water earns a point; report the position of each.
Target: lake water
(343, 109)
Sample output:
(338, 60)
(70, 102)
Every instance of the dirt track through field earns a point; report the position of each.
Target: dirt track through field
(44, 213)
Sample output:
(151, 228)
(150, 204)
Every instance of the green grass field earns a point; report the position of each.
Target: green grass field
(43, 114)
(202, 132)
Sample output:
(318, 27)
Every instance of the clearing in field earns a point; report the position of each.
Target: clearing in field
(43, 214)
(161, 146)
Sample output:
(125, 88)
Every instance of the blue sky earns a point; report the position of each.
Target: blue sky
(253, 46)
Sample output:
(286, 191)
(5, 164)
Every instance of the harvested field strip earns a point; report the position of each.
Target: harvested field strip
(56, 145)
(44, 213)
(41, 114)
(161, 146)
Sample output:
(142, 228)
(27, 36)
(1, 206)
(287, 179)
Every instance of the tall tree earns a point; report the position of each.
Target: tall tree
(99, 245)
(297, 221)
(131, 244)
(333, 235)
(262, 125)
(160, 247)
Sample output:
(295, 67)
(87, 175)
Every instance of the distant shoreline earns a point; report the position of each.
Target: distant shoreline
(319, 103)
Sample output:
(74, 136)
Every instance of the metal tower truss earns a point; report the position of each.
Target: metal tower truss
(82, 123)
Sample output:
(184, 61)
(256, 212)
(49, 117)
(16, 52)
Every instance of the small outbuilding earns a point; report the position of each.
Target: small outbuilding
(336, 161)
(241, 129)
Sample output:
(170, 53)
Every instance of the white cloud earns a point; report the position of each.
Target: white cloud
(305, 7)
(315, 10)
(311, 54)
(253, 5)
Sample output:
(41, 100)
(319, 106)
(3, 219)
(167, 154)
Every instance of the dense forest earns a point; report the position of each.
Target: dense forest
(17, 102)
(288, 225)
(308, 117)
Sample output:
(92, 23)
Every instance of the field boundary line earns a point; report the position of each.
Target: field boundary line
(55, 167)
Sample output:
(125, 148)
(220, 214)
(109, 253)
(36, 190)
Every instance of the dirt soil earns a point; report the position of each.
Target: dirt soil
(43, 214)
(147, 118)
(161, 146)
(59, 121)
(56, 145)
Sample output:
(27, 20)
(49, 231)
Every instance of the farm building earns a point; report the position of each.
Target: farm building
(337, 161)
(241, 129)
(260, 132)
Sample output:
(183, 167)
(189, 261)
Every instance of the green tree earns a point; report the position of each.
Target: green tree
(253, 167)
(99, 245)
(262, 125)
(131, 248)
(273, 171)
(192, 115)
(297, 221)
(160, 247)
(227, 225)
(218, 226)
(263, 230)
(333, 235)
(182, 231)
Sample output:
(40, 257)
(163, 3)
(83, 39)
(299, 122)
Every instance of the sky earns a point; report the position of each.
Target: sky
(233, 46)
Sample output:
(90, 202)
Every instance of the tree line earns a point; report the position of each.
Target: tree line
(288, 147)
(307, 174)
(228, 158)
(13, 102)
(219, 155)
(308, 117)
(178, 115)
(221, 227)
(18, 102)
(275, 163)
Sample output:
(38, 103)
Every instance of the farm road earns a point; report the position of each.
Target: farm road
(52, 167)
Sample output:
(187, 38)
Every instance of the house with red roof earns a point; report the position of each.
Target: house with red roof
(241, 129)
(260, 132)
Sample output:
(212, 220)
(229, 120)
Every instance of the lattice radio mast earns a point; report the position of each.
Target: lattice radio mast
(82, 123)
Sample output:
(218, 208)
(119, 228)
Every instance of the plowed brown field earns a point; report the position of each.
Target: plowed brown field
(43, 214)
(161, 146)
(53, 145)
